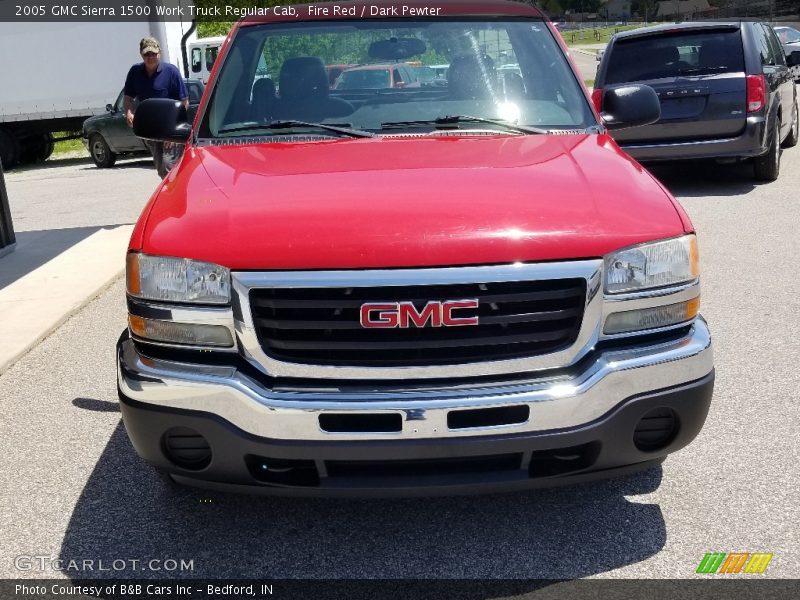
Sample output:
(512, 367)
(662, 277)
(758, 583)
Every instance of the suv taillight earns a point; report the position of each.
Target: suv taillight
(597, 99)
(756, 93)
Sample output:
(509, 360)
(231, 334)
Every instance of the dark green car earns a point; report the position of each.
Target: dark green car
(108, 136)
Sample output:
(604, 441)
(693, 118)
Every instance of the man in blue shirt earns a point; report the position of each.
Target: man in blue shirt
(154, 79)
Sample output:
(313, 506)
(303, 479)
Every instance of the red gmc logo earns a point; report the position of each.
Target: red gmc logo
(404, 314)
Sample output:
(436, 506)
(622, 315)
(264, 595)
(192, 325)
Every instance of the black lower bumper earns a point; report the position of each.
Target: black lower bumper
(238, 461)
(753, 141)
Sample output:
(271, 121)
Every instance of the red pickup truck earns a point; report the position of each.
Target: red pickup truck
(434, 289)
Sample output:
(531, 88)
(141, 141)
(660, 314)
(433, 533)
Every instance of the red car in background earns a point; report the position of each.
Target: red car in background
(334, 71)
(377, 76)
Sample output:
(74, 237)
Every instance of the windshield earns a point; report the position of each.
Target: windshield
(379, 86)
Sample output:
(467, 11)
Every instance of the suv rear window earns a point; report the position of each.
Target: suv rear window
(676, 54)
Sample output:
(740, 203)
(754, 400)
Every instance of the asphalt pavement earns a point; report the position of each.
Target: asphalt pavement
(72, 486)
(586, 61)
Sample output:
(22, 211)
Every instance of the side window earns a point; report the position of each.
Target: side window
(396, 76)
(261, 69)
(194, 93)
(120, 104)
(777, 49)
(764, 49)
(197, 60)
(211, 56)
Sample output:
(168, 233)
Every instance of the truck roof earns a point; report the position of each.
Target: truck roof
(488, 8)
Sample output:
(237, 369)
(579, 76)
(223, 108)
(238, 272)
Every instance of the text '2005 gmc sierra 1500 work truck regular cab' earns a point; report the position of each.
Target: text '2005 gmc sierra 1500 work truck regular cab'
(421, 288)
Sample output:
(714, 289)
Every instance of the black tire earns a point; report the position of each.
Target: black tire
(102, 155)
(794, 134)
(768, 166)
(9, 150)
(46, 147)
(27, 150)
(36, 148)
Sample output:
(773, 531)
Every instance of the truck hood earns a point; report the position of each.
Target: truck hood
(406, 202)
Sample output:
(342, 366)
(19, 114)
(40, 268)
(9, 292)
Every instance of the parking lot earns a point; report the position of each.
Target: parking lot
(74, 488)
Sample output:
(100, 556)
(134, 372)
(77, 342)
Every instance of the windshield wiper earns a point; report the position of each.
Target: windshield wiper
(452, 122)
(341, 128)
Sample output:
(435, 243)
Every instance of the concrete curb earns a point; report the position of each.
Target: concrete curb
(37, 304)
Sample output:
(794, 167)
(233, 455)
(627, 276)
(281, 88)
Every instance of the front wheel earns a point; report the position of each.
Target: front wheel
(794, 134)
(768, 166)
(102, 155)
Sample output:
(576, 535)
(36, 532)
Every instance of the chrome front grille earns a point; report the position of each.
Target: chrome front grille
(307, 324)
(322, 325)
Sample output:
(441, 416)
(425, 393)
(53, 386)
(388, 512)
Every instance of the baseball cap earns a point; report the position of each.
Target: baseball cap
(149, 44)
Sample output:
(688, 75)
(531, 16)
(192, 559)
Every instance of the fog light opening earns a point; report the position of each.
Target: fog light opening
(656, 430)
(186, 448)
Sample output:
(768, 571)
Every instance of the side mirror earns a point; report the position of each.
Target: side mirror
(109, 108)
(161, 120)
(630, 106)
(793, 58)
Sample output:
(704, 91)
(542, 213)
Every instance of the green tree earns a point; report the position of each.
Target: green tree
(213, 28)
(551, 8)
(206, 27)
(645, 8)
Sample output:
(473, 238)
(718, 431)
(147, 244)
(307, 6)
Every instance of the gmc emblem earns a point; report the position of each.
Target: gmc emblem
(404, 314)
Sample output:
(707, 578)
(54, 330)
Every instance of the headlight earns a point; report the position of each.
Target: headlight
(177, 280)
(652, 265)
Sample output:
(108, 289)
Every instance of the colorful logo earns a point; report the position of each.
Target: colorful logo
(737, 562)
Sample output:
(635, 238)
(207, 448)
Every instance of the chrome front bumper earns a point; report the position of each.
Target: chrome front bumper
(567, 399)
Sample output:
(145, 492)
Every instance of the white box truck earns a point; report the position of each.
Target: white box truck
(202, 55)
(57, 74)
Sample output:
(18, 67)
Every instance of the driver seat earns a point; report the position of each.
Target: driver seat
(303, 91)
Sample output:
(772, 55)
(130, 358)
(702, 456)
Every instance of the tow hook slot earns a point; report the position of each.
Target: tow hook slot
(361, 423)
(488, 417)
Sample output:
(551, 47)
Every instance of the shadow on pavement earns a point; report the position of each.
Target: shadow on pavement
(50, 163)
(35, 248)
(705, 178)
(96, 405)
(85, 162)
(137, 162)
(143, 162)
(127, 510)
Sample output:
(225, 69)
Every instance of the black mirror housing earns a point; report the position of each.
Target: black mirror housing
(161, 120)
(630, 106)
(109, 108)
(793, 58)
